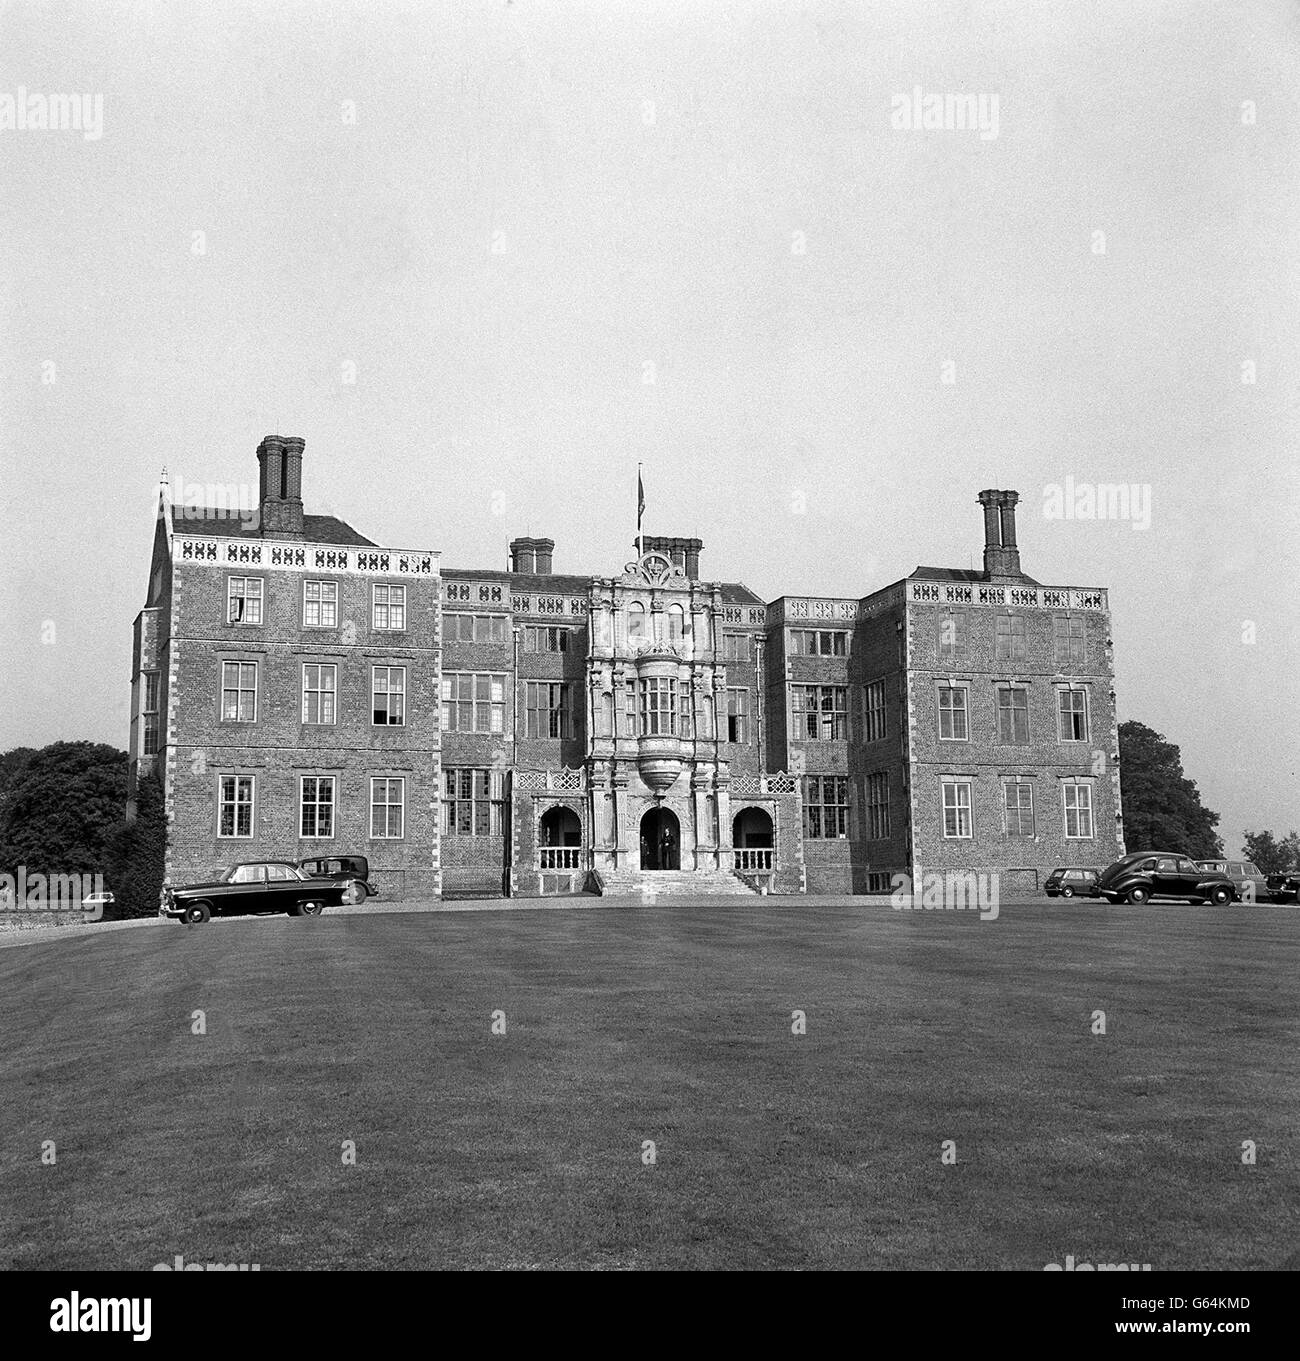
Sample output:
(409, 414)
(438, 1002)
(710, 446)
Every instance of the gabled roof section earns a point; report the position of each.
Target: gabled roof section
(737, 593)
(964, 574)
(315, 528)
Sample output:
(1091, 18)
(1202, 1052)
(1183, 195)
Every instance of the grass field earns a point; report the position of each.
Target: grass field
(664, 1024)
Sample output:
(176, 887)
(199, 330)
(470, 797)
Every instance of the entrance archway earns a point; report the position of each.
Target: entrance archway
(561, 827)
(661, 840)
(751, 828)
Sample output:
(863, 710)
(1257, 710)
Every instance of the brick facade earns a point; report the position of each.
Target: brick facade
(559, 730)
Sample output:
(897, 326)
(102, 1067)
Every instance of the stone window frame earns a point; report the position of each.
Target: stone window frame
(404, 692)
(844, 806)
(537, 715)
(504, 705)
(743, 714)
(239, 689)
(388, 781)
(952, 685)
(333, 692)
(332, 804)
(878, 821)
(244, 597)
(149, 710)
(388, 605)
(875, 716)
(450, 799)
(957, 783)
(1020, 783)
(1078, 784)
(1017, 649)
(1001, 687)
(236, 803)
(1061, 713)
(320, 602)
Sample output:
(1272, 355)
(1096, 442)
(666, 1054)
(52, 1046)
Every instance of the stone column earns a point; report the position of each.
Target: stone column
(726, 852)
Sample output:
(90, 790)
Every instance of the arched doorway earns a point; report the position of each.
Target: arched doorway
(751, 827)
(561, 827)
(561, 839)
(661, 840)
(751, 838)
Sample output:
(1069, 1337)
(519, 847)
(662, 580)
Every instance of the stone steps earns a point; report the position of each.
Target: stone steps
(642, 884)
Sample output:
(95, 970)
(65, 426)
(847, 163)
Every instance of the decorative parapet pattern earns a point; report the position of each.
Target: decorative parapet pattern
(746, 786)
(304, 557)
(566, 780)
(801, 609)
(1027, 597)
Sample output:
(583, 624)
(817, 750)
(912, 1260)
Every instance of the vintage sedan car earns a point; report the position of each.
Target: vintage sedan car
(1068, 880)
(1143, 875)
(1284, 887)
(264, 886)
(1241, 872)
(352, 867)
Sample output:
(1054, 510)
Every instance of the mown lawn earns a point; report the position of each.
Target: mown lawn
(668, 1024)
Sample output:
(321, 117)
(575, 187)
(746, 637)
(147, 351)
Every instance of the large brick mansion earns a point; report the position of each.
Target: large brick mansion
(300, 691)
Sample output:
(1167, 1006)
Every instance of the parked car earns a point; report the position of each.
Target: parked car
(1241, 872)
(93, 905)
(264, 886)
(353, 867)
(1069, 880)
(1284, 887)
(1143, 875)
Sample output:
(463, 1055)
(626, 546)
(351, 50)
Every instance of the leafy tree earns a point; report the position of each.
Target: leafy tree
(1271, 855)
(137, 854)
(1162, 807)
(57, 806)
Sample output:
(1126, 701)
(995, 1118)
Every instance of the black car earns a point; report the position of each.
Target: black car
(355, 868)
(1284, 887)
(1144, 875)
(264, 886)
(1068, 880)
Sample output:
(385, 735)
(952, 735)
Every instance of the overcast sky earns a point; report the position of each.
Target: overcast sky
(503, 219)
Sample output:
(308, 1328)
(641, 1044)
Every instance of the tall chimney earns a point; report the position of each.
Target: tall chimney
(693, 549)
(523, 556)
(543, 551)
(683, 553)
(280, 486)
(270, 462)
(1001, 555)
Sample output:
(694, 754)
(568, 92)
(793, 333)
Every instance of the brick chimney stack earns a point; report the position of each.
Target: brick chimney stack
(1001, 554)
(533, 557)
(683, 553)
(280, 486)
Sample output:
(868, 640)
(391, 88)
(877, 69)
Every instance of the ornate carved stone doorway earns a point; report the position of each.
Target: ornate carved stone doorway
(661, 840)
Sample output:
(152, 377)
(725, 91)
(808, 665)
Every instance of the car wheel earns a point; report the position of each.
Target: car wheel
(197, 913)
(354, 892)
(1138, 895)
(1067, 893)
(1220, 896)
(311, 908)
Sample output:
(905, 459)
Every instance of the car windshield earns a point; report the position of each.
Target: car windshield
(244, 874)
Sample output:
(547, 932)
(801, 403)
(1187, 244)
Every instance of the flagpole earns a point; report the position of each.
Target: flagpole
(640, 538)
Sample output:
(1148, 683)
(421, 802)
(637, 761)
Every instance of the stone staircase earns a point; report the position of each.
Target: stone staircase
(644, 885)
